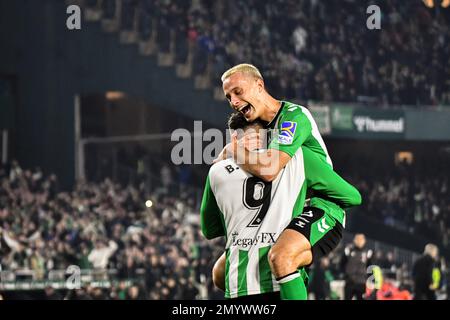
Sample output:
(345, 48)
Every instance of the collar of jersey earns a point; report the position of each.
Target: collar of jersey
(274, 120)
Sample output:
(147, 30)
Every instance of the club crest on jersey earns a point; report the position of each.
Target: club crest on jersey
(287, 133)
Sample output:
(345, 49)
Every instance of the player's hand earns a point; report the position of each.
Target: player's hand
(222, 155)
(228, 150)
(251, 141)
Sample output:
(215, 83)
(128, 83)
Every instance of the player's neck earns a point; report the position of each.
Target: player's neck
(271, 108)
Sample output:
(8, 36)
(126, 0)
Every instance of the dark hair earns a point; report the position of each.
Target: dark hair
(238, 121)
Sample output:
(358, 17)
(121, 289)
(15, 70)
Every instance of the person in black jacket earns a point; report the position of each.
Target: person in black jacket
(423, 274)
(355, 262)
(320, 278)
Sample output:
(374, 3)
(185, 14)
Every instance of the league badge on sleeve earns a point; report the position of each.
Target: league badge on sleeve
(287, 132)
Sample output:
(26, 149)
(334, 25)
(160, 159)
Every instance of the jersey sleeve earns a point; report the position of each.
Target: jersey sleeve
(211, 220)
(325, 182)
(293, 129)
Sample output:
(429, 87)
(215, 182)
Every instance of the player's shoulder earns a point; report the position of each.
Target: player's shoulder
(293, 108)
(218, 167)
(293, 111)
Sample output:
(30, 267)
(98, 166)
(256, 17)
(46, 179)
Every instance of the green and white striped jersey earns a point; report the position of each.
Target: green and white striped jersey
(254, 213)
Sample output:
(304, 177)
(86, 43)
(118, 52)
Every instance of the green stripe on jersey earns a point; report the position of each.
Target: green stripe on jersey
(300, 202)
(242, 273)
(265, 274)
(227, 270)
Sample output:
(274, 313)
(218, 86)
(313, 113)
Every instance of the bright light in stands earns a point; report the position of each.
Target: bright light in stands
(431, 3)
(404, 156)
(114, 95)
(148, 203)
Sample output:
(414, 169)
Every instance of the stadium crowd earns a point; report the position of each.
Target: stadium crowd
(308, 49)
(410, 197)
(103, 226)
(153, 238)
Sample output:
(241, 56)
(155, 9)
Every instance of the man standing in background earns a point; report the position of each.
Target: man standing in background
(423, 273)
(355, 262)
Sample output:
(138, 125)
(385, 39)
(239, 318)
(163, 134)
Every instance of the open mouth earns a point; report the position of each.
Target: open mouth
(246, 109)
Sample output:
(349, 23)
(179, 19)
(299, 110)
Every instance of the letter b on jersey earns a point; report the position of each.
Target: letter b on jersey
(229, 168)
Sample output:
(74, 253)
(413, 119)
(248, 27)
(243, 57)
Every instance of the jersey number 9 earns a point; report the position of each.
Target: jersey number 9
(256, 196)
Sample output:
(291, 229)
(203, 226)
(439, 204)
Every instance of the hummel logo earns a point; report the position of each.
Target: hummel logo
(322, 226)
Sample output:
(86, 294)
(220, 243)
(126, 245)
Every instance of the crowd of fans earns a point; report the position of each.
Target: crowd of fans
(354, 262)
(153, 239)
(409, 197)
(309, 49)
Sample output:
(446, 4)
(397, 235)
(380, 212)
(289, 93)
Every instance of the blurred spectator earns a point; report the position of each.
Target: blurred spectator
(424, 284)
(51, 294)
(355, 262)
(100, 255)
(389, 291)
(135, 293)
(320, 279)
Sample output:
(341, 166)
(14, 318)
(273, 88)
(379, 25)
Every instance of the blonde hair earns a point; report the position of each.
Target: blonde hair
(243, 68)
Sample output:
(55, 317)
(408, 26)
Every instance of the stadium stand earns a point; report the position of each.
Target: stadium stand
(142, 250)
(302, 57)
(135, 240)
(101, 227)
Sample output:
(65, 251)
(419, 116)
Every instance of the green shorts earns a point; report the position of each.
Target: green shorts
(321, 229)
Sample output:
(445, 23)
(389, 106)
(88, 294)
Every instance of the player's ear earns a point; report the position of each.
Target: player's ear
(260, 84)
(230, 131)
(234, 132)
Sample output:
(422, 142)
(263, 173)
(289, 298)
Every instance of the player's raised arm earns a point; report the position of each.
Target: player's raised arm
(327, 183)
(210, 214)
(265, 165)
